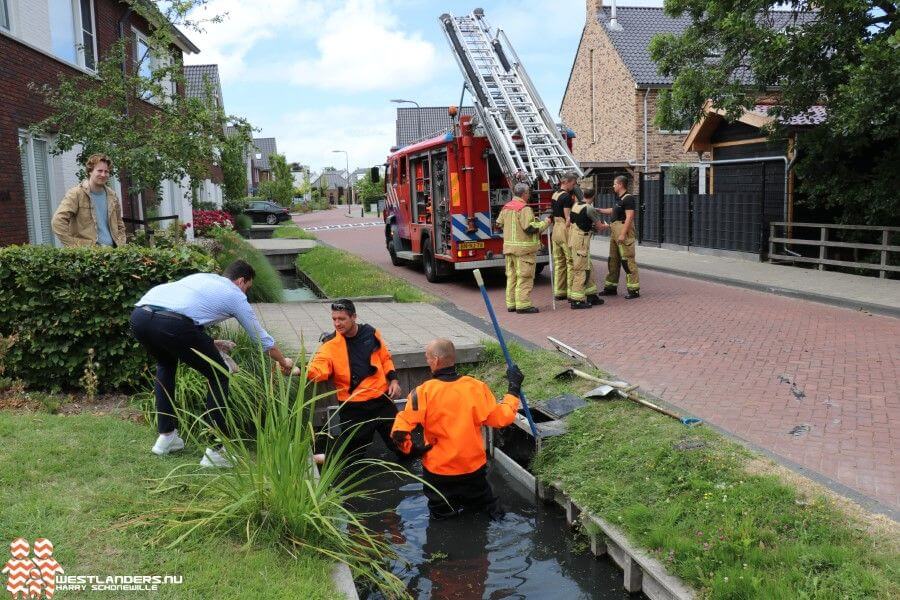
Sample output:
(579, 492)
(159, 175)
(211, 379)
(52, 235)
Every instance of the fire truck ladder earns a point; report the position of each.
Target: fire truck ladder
(524, 137)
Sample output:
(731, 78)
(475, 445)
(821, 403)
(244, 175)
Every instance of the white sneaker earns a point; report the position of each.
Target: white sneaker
(215, 458)
(167, 443)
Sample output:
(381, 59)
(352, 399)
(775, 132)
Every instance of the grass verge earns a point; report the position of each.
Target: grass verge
(292, 232)
(267, 285)
(97, 477)
(714, 513)
(343, 275)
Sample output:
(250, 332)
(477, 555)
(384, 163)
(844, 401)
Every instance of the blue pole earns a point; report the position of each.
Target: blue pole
(509, 362)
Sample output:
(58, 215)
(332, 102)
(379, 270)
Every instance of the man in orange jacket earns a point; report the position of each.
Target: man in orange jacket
(450, 409)
(357, 361)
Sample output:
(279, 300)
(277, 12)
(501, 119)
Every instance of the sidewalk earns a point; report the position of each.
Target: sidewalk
(840, 289)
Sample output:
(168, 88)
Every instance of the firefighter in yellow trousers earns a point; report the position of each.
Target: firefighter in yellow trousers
(621, 242)
(560, 208)
(521, 241)
(584, 219)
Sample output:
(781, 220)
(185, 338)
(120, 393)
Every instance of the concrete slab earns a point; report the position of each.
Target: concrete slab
(406, 327)
(282, 246)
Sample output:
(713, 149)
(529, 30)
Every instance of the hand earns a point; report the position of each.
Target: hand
(225, 346)
(621, 238)
(394, 391)
(602, 226)
(287, 366)
(515, 377)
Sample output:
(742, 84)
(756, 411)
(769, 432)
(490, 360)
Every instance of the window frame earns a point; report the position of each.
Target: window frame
(78, 31)
(26, 144)
(139, 37)
(7, 11)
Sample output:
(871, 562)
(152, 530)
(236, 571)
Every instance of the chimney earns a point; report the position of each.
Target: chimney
(613, 24)
(593, 9)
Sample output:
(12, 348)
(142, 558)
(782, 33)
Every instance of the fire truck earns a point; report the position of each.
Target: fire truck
(443, 194)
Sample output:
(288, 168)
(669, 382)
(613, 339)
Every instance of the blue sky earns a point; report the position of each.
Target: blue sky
(317, 75)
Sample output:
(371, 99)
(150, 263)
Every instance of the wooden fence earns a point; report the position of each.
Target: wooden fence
(784, 234)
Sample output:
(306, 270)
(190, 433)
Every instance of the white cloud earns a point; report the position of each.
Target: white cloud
(309, 136)
(362, 47)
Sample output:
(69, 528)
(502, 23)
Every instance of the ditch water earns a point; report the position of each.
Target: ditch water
(530, 553)
(294, 289)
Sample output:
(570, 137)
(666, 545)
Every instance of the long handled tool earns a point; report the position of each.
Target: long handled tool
(552, 274)
(509, 362)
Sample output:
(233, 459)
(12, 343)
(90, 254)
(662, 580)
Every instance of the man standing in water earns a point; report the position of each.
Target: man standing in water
(450, 410)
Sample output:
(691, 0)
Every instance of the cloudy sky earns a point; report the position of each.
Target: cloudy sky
(318, 75)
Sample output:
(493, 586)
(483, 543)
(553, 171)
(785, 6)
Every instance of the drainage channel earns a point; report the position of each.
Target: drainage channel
(295, 289)
(530, 553)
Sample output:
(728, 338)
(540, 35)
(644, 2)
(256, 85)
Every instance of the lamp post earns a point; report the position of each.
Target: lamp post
(418, 113)
(349, 193)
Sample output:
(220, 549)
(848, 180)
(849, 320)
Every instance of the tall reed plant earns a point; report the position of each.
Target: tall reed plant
(275, 494)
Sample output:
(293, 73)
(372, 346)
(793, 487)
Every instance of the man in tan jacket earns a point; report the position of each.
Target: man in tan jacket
(89, 213)
(521, 242)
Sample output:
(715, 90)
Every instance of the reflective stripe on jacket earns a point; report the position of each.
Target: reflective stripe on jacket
(331, 361)
(515, 218)
(451, 410)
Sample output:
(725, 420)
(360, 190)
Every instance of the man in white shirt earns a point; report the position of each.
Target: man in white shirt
(169, 321)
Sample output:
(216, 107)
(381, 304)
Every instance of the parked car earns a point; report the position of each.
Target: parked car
(266, 211)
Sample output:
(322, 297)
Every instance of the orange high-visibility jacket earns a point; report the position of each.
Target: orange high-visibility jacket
(332, 362)
(451, 410)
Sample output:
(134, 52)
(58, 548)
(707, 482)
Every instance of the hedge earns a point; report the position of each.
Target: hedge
(62, 302)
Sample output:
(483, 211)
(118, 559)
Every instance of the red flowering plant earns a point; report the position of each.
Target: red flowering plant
(206, 220)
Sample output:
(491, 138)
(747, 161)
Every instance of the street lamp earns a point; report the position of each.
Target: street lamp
(418, 113)
(350, 194)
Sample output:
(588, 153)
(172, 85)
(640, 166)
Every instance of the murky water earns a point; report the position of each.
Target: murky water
(294, 290)
(530, 553)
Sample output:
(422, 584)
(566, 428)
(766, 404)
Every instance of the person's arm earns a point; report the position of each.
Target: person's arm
(320, 367)
(596, 218)
(243, 312)
(605, 211)
(405, 421)
(62, 218)
(629, 221)
(567, 209)
(387, 364)
(501, 415)
(529, 223)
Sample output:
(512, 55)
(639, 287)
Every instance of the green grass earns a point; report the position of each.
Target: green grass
(80, 481)
(725, 531)
(343, 275)
(267, 285)
(292, 232)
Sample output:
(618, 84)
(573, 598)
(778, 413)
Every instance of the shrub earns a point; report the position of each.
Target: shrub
(267, 284)
(236, 206)
(243, 222)
(60, 303)
(204, 205)
(206, 220)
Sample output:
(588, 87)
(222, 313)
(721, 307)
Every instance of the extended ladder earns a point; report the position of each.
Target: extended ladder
(522, 134)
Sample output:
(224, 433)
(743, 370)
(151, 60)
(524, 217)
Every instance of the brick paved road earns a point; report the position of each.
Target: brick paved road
(755, 364)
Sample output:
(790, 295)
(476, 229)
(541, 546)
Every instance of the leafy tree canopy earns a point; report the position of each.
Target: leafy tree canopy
(844, 55)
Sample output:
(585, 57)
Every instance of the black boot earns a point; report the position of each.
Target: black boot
(595, 300)
(511, 309)
(632, 294)
(608, 291)
(579, 304)
(563, 297)
(528, 311)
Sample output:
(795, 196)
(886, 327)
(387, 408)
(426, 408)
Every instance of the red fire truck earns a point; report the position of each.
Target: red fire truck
(443, 194)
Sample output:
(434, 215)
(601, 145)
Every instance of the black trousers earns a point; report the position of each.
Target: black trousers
(360, 421)
(171, 340)
(464, 493)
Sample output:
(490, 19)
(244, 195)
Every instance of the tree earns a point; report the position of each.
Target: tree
(232, 157)
(366, 189)
(134, 115)
(281, 187)
(845, 55)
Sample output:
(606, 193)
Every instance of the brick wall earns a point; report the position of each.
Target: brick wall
(608, 137)
(661, 147)
(20, 107)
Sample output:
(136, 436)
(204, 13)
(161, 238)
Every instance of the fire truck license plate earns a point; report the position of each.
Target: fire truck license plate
(470, 245)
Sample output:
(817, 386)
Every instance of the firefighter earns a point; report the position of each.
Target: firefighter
(559, 209)
(585, 218)
(355, 358)
(521, 241)
(449, 410)
(621, 242)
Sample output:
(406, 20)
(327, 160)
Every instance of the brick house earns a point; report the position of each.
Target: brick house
(39, 45)
(610, 98)
(260, 152)
(202, 82)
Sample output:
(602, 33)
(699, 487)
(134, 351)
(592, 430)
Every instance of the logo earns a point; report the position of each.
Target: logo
(31, 578)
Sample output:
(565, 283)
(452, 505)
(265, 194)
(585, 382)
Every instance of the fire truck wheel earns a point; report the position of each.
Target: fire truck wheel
(391, 239)
(434, 272)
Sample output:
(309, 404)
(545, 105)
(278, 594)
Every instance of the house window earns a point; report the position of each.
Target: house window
(4, 15)
(147, 62)
(35, 158)
(72, 34)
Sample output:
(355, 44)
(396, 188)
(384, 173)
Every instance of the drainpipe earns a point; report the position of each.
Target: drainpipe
(613, 24)
(646, 93)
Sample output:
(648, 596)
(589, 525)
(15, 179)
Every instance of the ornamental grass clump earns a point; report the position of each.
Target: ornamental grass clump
(274, 494)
